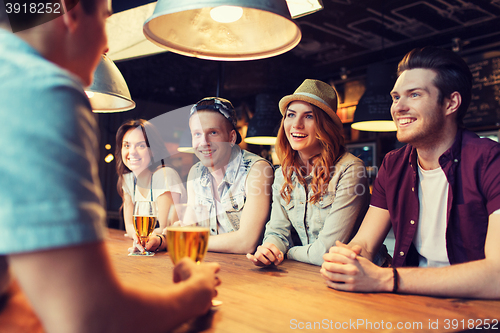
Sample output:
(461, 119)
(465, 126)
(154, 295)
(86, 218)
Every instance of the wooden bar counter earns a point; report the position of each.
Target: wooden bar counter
(287, 298)
(294, 296)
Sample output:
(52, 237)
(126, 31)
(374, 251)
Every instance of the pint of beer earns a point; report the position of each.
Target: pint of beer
(189, 242)
(145, 215)
(189, 237)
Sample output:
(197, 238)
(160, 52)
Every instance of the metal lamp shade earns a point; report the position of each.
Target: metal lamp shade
(264, 125)
(109, 91)
(185, 142)
(373, 112)
(186, 27)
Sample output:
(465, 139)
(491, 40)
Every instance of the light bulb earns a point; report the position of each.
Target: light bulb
(109, 158)
(226, 14)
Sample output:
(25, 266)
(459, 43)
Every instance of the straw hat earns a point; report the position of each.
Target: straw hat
(317, 93)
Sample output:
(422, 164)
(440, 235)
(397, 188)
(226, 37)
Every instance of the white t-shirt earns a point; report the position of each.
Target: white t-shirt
(164, 180)
(430, 239)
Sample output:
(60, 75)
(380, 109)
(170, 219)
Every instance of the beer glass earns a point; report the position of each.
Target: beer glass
(188, 237)
(145, 215)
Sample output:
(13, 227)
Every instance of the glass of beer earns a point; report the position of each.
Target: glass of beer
(145, 214)
(188, 237)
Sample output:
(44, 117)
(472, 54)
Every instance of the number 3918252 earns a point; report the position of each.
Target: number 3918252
(33, 8)
(478, 324)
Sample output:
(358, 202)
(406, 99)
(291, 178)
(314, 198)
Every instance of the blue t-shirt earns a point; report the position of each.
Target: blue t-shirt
(50, 194)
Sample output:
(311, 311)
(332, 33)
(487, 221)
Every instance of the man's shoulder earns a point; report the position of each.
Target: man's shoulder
(249, 156)
(195, 170)
(249, 159)
(34, 89)
(23, 65)
(398, 153)
(25, 77)
(473, 144)
(396, 161)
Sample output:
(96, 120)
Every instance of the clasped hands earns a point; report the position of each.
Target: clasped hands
(345, 269)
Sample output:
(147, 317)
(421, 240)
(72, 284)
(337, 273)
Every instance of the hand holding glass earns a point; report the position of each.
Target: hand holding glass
(189, 236)
(145, 215)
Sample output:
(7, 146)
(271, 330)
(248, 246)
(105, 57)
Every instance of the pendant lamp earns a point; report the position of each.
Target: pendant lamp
(108, 91)
(185, 142)
(373, 112)
(223, 29)
(264, 125)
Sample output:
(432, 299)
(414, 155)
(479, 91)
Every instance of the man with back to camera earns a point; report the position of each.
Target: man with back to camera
(441, 193)
(51, 204)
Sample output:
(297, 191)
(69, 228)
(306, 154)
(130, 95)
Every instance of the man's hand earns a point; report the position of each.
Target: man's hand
(343, 269)
(202, 277)
(266, 254)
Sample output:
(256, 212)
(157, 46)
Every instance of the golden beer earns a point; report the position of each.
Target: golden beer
(144, 226)
(189, 242)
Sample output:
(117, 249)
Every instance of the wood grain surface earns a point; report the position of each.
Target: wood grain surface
(293, 296)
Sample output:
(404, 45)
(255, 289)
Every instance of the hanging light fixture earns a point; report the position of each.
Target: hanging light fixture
(185, 142)
(373, 112)
(223, 29)
(109, 92)
(264, 125)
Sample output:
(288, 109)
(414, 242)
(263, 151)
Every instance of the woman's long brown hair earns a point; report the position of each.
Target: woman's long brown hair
(154, 139)
(332, 143)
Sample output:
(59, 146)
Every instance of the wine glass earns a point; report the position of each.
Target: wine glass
(145, 215)
(188, 237)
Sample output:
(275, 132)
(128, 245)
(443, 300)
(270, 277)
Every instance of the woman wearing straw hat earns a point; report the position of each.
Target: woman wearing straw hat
(321, 191)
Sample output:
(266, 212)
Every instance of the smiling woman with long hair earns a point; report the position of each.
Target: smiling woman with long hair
(321, 192)
(141, 176)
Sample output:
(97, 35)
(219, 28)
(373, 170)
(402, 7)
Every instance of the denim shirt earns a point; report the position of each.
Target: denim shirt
(336, 216)
(471, 166)
(233, 195)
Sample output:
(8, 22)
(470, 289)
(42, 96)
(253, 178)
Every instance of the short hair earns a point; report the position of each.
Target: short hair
(32, 20)
(89, 6)
(3, 14)
(452, 73)
(214, 104)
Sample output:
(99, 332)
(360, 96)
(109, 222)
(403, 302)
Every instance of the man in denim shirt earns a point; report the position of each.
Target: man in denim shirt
(234, 184)
(441, 193)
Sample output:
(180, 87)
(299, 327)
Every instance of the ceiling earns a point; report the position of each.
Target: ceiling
(338, 43)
